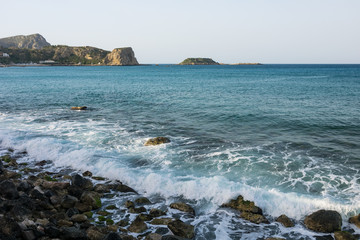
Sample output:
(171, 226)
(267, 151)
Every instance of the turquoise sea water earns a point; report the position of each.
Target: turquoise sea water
(284, 136)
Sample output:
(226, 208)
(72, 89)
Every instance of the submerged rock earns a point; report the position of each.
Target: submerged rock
(324, 221)
(285, 221)
(79, 108)
(355, 220)
(157, 141)
(181, 229)
(183, 207)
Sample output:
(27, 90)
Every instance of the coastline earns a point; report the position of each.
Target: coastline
(42, 201)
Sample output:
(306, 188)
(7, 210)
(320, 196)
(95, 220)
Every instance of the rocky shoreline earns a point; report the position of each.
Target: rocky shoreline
(40, 201)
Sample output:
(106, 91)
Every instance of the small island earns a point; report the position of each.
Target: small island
(199, 61)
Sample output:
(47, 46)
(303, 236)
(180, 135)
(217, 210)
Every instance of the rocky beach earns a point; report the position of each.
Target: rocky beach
(41, 201)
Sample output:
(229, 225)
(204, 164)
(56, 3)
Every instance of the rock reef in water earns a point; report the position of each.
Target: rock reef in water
(33, 41)
(199, 61)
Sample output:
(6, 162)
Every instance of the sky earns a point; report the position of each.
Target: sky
(168, 31)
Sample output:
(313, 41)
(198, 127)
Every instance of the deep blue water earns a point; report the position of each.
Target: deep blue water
(285, 136)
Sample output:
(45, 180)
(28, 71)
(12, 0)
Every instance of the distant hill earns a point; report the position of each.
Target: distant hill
(33, 41)
(35, 49)
(199, 61)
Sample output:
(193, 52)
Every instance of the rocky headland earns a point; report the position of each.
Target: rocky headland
(35, 50)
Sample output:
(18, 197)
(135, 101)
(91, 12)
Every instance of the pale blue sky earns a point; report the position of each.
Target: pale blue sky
(168, 31)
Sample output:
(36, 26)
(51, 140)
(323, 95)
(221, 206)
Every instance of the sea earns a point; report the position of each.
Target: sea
(284, 136)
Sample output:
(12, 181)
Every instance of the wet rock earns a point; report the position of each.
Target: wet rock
(98, 178)
(112, 236)
(24, 186)
(92, 199)
(101, 188)
(137, 210)
(254, 218)
(161, 221)
(79, 108)
(137, 226)
(145, 217)
(87, 174)
(272, 238)
(103, 213)
(55, 185)
(28, 235)
(70, 233)
(183, 207)
(181, 229)
(154, 212)
(129, 204)
(75, 191)
(355, 220)
(243, 205)
(153, 236)
(111, 207)
(41, 163)
(8, 190)
(83, 207)
(341, 235)
(123, 223)
(112, 228)
(142, 200)
(162, 230)
(81, 182)
(68, 201)
(324, 221)
(79, 218)
(172, 237)
(285, 221)
(121, 188)
(157, 141)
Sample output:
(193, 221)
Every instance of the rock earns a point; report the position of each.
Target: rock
(24, 186)
(324, 221)
(285, 221)
(70, 233)
(112, 236)
(153, 236)
(121, 56)
(55, 185)
(28, 235)
(87, 174)
(154, 212)
(121, 188)
(137, 226)
(93, 233)
(142, 200)
(181, 229)
(183, 207)
(172, 237)
(111, 207)
(52, 231)
(129, 204)
(79, 108)
(137, 210)
(341, 235)
(161, 221)
(254, 218)
(162, 230)
(75, 191)
(8, 190)
(71, 212)
(41, 163)
(103, 213)
(101, 188)
(81, 182)
(273, 238)
(92, 199)
(243, 205)
(145, 217)
(68, 201)
(355, 220)
(157, 141)
(64, 223)
(83, 207)
(98, 178)
(79, 218)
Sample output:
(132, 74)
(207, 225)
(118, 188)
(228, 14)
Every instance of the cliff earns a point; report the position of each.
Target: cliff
(34, 41)
(121, 56)
(198, 61)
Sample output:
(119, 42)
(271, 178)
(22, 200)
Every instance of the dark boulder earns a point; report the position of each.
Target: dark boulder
(87, 174)
(183, 207)
(72, 233)
(112, 236)
(181, 229)
(8, 190)
(324, 221)
(285, 221)
(137, 225)
(91, 199)
(69, 201)
(81, 182)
